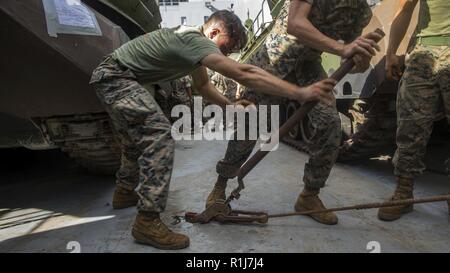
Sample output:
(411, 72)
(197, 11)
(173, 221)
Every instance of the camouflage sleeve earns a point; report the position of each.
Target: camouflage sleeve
(186, 81)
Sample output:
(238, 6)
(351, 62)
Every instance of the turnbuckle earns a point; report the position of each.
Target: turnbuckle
(221, 212)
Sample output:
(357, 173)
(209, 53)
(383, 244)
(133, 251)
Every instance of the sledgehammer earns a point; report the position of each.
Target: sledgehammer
(298, 115)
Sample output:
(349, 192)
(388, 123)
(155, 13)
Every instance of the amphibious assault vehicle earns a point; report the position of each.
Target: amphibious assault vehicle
(50, 48)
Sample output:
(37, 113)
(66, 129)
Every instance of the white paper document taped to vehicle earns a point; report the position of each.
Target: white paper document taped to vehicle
(73, 13)
(70, 17)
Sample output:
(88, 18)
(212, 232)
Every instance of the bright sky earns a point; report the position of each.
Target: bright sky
(254, 6)
(241, 7)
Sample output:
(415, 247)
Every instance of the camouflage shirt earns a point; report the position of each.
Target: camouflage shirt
(340, 19)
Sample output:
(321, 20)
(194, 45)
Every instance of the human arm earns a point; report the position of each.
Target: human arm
(207, 90)
(399, 27)
(361, 50)
(262, 81)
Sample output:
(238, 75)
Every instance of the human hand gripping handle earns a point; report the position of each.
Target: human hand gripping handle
(321, 91)
(345, 68)
(394, 67)
(361, 51)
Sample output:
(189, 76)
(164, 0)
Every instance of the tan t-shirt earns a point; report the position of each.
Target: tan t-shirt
(434, 19)
(165, 54)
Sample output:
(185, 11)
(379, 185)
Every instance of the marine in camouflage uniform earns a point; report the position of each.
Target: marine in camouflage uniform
(284, 56)
(140, 124)
(143, 131)
(424, 93)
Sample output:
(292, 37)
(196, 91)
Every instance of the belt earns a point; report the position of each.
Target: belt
(443, 40)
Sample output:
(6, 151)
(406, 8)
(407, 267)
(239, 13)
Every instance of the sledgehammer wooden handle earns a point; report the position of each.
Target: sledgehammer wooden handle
(298, 115)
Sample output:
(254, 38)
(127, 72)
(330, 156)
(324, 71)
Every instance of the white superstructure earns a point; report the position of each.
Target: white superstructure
(190, 12)
(194, 12)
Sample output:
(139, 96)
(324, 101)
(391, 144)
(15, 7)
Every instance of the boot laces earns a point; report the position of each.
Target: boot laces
(402, 192)
(160, 226)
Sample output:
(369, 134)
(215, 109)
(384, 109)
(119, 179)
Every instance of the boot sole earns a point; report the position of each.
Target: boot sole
(142, 239)
(392, 217)
(300, 209)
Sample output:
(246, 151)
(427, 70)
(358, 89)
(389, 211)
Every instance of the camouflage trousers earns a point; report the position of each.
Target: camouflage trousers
(424, 94)
(177, 95)
(143, 132)
(325, 121)
(285, 57)
(323, 147)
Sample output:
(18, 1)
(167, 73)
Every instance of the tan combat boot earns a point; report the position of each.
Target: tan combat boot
(217, 193)
(404, 190)
(124, 198)
(309, 200)
(150, 230)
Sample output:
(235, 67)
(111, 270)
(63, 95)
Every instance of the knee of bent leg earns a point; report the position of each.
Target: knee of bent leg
(327, 129)
(155, 138)
(161, 149)
(335, 122)
(335, 129)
